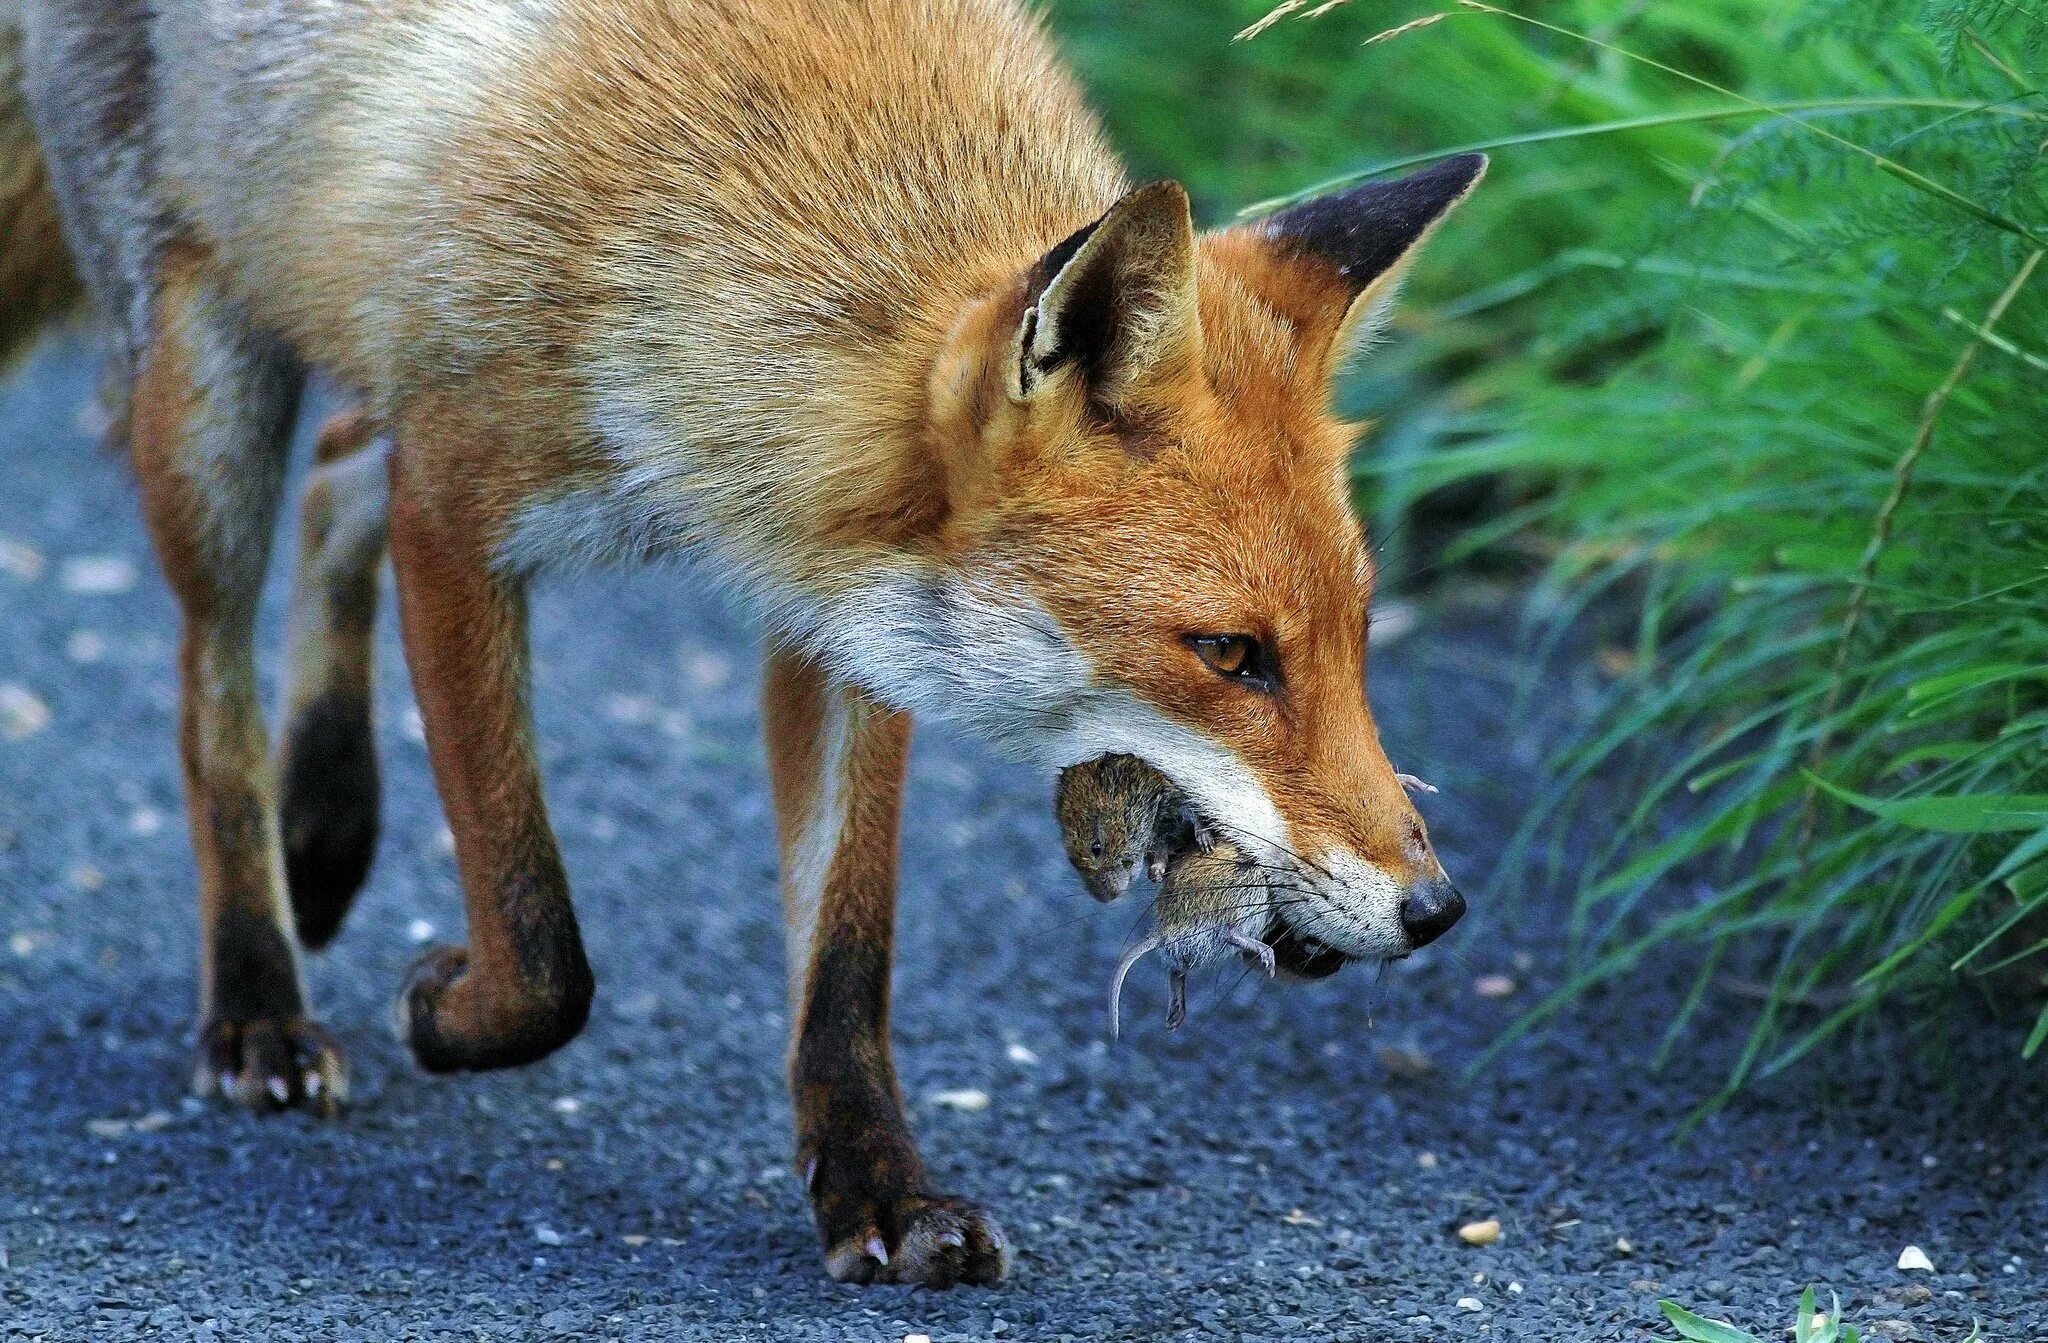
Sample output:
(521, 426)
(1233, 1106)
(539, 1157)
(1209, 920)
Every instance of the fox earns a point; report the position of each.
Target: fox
(847, 303)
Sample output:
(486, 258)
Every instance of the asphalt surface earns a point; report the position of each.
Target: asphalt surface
(1283, 1168)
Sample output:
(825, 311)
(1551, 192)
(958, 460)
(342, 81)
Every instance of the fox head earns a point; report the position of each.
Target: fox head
(1149, 545)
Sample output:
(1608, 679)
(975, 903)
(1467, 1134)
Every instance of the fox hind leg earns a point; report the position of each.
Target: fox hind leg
(213, 405)
(327, 766)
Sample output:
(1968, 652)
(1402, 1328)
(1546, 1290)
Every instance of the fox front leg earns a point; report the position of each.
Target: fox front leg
(838, 761)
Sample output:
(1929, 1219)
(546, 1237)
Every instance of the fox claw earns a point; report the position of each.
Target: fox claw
(1415, 785)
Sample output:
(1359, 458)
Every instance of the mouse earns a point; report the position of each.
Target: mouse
(1213, 899)
(1118, 817)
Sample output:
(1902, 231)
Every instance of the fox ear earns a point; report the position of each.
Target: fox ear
(1115, 302)
(1342, 256)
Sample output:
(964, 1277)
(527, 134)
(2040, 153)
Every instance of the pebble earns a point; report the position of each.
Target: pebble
(707, 670)
(1405, 1061)
(1480, 1233)
(635, 1240)
(632, 710)
(1622, 1245)
(1428, 1161)
(1493, 986)
(22, 713)
(917, 1338)
(547, 1236)
(85, 646)
(1017, 1053)
(567, 1105)
(1392, 621)
(968, 1099)
(1470, 1303)
(97, 575)
(21, 559)
(1913, 1259)
(419, 930)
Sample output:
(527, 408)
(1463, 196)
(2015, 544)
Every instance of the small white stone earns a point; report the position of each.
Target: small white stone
(1017, 1053)
(1622, 1245)
(21, 559)
(85, 646)
(1392, 621)
(1913, 1259)
(547, 1235)
(632, 710)
(419, 930)
(968, 1099)
(707, 671)
(97, 575)
(145, 821)
(917, 1338)
(567, 1105)
(1470, 1303)
(1514, 1289)
(1929, 1161)
(22, 712)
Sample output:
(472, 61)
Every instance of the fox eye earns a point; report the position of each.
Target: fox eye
(1240, 657)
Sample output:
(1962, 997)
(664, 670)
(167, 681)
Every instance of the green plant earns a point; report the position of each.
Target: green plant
(1810, 1326)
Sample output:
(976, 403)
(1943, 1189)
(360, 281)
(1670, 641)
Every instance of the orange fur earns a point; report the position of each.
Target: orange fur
(846, 298)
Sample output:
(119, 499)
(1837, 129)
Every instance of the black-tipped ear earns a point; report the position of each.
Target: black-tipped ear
(1334, 264)
(1115, 302)
(1370, 229)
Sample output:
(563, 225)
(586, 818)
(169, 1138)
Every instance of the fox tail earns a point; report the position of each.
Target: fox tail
(37, 281)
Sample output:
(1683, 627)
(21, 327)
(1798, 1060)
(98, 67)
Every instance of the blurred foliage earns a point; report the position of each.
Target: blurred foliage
(1729, 374)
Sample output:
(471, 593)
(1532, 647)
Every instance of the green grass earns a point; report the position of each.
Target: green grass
(1748, 335)
(1810, 1325)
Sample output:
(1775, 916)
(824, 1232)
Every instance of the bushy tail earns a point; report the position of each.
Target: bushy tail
(37, 282)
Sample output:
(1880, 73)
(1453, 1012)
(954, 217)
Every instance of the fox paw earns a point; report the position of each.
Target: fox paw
(272, 1063)
(919, 1240)
(450, 1018)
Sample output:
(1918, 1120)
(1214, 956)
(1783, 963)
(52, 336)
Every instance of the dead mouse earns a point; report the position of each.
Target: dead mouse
(1117, 816)
(1212, 901)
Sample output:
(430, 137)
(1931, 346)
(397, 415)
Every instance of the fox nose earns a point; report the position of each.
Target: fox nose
(1429, 911)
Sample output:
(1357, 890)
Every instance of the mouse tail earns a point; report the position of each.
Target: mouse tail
(1116, 983)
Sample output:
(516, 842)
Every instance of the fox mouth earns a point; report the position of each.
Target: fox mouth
(1295, 954)
(1298, 955)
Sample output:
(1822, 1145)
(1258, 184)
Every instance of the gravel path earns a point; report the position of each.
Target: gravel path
(1289, 1166)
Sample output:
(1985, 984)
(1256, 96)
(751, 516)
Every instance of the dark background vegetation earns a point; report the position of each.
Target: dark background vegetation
(1709, 353)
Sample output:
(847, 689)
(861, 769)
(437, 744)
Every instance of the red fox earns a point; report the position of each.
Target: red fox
(848, 300)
